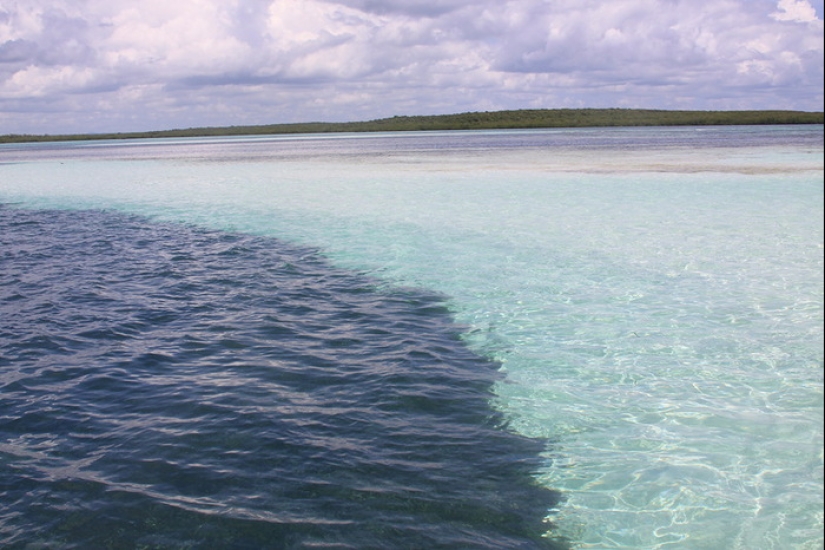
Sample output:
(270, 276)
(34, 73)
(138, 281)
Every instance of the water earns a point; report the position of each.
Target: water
(166, 387)
(651, 296)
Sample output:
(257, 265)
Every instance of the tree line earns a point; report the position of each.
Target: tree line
(513, 119)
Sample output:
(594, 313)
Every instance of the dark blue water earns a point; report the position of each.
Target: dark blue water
(165, 387)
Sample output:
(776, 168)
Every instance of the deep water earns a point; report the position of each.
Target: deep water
(164, 386)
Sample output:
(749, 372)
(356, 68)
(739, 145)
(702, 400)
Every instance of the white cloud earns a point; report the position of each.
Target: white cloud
(795, 10)
(44, 81)
(206, 62)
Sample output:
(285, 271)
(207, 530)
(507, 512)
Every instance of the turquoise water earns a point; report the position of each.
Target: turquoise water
(654, 296)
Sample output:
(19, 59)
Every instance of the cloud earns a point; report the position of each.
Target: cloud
(17, 50)
(112, 64)
(795, 10)
(414, 8)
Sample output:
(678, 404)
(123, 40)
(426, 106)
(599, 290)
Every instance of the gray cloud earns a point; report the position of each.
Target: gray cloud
(106, 65)
(15, 51)
(414, 8)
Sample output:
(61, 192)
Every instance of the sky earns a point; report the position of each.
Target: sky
(78, 66)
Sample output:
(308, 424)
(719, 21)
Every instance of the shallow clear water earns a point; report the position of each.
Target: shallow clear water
(652, 295)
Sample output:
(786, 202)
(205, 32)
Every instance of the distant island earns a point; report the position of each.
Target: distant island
(515, 119)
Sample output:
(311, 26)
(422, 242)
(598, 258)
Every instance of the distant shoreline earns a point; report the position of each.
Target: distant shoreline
(517, 119)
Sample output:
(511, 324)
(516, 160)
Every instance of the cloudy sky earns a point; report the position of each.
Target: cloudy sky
(124, 65)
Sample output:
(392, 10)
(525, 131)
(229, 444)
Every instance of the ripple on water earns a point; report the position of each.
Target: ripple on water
(169, 387)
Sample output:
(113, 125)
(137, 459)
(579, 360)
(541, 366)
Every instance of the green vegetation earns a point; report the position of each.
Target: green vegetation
(534, 118)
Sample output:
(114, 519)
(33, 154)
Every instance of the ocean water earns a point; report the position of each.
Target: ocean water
(415, 340)
(169, 387)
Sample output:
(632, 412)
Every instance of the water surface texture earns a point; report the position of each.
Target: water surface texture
(173, 388)
(652, 297)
